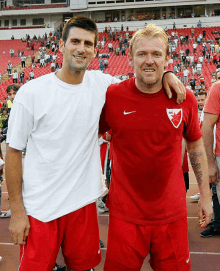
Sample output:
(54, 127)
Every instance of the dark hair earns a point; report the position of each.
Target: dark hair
(15, 87)
(80, 22)
(4, 109)
(202, 93)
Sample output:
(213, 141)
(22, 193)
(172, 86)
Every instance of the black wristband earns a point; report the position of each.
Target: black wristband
(164, 74)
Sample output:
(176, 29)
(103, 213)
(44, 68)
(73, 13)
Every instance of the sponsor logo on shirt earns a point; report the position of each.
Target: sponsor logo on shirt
(126, 113)
(175, 116)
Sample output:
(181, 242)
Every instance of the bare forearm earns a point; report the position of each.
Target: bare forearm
(13, 173)
(208, 138)
(198, 161)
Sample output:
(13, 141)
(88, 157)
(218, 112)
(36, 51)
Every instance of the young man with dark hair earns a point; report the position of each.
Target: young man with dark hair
(147, 131)
(201, 98)
(56, 117)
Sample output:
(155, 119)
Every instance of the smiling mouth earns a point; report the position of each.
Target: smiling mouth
(79, 57)
(148, 70)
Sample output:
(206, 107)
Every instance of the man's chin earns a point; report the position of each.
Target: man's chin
(150, 81)
(78, 68)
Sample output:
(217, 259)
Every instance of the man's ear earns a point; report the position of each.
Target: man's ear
(167, 60)
(95, 51)
(130, 59)
(61, 46)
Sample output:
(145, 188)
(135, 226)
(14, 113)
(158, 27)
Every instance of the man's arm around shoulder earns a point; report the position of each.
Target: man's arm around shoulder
(19, 224)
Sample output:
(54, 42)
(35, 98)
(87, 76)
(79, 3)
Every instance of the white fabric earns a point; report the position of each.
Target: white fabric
(201, 59)
(194, 45)
(15, 75)
(58, 122)
(1, 164)
(185, 72)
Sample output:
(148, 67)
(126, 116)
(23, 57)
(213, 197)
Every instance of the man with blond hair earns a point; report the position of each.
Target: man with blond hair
(147, 130)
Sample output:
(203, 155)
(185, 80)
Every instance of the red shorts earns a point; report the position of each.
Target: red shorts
(78, 235)
(129, 244)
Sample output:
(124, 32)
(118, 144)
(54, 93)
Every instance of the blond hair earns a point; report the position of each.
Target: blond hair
(150, 31)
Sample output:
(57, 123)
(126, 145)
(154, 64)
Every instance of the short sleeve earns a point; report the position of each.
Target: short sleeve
(212, 105)
(192, 131)
(19, 127)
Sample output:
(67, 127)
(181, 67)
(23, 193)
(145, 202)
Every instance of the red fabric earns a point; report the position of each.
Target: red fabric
(185, 163)
(71, 231)
(130, 74)
(129, 244)
(212, 106)
(147, 175)
(103, 151)
(202, 79)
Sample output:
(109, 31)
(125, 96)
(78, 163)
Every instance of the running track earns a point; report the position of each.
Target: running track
(204, 252)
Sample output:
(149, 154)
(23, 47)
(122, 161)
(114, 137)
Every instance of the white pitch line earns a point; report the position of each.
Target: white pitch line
(193, 217)
(194, 253)
(104, 248)
(205, 253)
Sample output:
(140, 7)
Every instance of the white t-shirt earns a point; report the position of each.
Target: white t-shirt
(185, 72)
(42, 61)
(199, 66)
(15, 75)
(58, 123)
(201, 59)
(194, 45)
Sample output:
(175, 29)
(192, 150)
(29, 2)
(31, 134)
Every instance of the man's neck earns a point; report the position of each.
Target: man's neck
(70, 77)
(148, 88)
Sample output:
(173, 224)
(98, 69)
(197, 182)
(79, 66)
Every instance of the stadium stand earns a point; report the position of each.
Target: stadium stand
(116, 64)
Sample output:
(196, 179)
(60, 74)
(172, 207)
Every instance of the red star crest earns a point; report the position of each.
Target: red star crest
(175, 116)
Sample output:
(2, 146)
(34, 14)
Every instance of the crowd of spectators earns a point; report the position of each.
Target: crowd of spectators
(188, 63)
(47, 53)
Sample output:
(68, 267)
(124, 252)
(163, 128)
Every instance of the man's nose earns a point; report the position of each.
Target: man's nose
(81, 47)
(149, 59)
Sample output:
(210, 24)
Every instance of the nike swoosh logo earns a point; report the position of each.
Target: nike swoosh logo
(187, 261)
(126, 113)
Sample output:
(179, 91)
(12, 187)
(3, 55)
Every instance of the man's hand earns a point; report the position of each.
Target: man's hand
(205, 212)
(171, 81)
(19, 227)
(213, 173)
